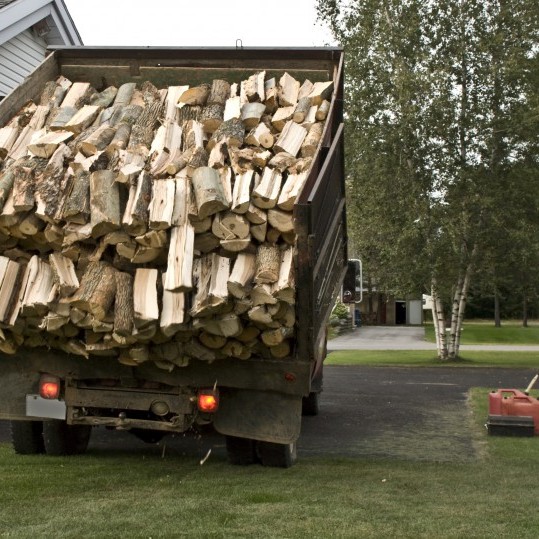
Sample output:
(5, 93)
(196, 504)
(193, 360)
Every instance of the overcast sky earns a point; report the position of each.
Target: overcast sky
(206, 23)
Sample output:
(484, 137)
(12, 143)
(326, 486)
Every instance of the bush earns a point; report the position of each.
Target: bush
(340, 311)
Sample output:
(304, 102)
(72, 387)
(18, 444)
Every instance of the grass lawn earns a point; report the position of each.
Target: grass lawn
(109, 494)
(477, 332)
(427, 358)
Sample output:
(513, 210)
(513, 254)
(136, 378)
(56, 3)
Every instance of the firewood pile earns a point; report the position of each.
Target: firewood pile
(156, 224)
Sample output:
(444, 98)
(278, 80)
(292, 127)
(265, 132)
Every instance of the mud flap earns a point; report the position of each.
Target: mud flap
(265, 416)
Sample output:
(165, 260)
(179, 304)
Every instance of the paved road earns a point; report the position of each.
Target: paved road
(367, 412)
(403, 338)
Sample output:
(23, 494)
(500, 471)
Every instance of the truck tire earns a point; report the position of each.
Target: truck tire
(277, 455)
(63, 439)
(310, 405)
(241, 451)
(27, 437)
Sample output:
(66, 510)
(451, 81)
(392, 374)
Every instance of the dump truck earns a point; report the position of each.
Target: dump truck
(255, 397)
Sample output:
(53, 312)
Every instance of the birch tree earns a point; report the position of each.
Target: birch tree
(434, 91)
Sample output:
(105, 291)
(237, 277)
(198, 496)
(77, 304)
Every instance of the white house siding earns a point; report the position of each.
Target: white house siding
(18, 57)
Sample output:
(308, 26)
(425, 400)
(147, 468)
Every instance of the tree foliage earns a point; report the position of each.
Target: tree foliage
(441, 142)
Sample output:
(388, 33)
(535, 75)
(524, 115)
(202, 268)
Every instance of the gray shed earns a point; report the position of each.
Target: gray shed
(27, 28)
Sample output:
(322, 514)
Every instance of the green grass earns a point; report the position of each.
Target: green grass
(427, 358)
(110, 494)
(485, 333)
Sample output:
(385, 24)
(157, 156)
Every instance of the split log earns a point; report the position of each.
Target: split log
(282, 161)
(82, 119)
(180, 258)
(124, 94)
(281, 116)
(288, 91)
(321, 91)
(143, 128)
(104, 98)
(173, 314)
(65, 277)
(8, 137)
(266, 194)
(75, 207)
(261, 295)
(268, 261)
(219, 93)
(235, 245)
(214, 342)
(209, 194)
(261, 159)
(232, 108)
(162, 204)
(291, 138)
(251, 114)
(274, 337)
(242, 275)
(258, 232)
(76, 92)
(281, 350)
(121, 136)
(128, 114)
(284, 288)
(241, 194)
(104, 203)
(253, 87)
(271, 93)
(218, 155)
(305, 89)
(38, 288)
(146, 309)
(131, 165)
(47, 144)
(7, 179)
(50, 185)
(135, 218)
(291, 190)
(260, 136)
(312, 140)
(255, 215)
(10, 277)
(173, 94)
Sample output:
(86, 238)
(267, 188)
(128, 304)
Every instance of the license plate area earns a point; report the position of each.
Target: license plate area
(37, 406)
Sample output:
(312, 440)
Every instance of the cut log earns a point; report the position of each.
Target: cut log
(10, 277)
(209, 194)
(97, 290)
(124, 94)
(24, 187)
(282, 161)
(274, 337)
(268, 261)
(322, 111)
(233, 226)
(7, 179)
(153, 238)
(260, 159)
(162, 204)
(231, 131)
(235, 245)
(266, 194)
(104, 98)
(146, 310)
(65, 277)
(104, 203)
(195, 96)
(260, 136)
(305, 89)
(123, 305)
(261, 295)
(218, 155)
(312, 140)
(75, 206)
(288, 91)
(128, 114)
(281, 220)
(219, 273)
(255, 215)
(8, 137)
(239, 282)
(281, 350)
(212, 117)
(121, 136)
(98, 140)
(143, 128)
(206, 242)
(284, 288)
(219, 93)
(38, 288)
(291, 138)
(214, 342)
(251, 114)
(302, 109)
(258, 232)
(173, 94)
(132, 164)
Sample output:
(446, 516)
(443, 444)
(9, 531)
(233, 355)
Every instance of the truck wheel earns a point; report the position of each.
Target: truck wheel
(27, 437)
(63, 439)
(277, 455)
(310, 405)
(240, 451)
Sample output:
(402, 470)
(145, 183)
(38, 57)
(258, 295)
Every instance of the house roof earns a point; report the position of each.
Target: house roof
(20, 15)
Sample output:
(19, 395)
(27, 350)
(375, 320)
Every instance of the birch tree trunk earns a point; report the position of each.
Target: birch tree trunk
(438, 319)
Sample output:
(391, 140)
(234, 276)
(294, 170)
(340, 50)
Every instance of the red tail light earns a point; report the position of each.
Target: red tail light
(49, 386)
(208, 401)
